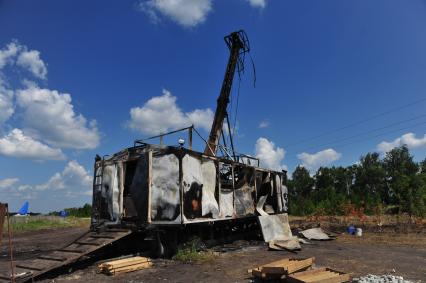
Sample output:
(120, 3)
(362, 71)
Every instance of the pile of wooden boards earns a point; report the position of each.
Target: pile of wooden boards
(124, 265)
(297, 271)
(283, 267)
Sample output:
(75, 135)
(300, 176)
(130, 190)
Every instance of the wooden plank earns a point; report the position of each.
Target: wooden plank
(323, 275)
(123, 264)
(287, 266)
(132, 268)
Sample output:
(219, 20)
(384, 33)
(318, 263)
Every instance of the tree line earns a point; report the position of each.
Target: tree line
(393, 184)
(84, 211)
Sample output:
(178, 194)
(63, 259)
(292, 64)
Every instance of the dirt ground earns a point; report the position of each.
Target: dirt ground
(379, 253)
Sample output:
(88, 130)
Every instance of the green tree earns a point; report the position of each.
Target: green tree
(369, 185)
(402, 183)
(300, 192)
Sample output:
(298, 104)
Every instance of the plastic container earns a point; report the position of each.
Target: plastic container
(351, 230)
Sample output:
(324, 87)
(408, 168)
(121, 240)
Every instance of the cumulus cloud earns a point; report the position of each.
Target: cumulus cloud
(8, 53)
(16, 53)
(31, 61)
(161, 114)
(257, 3)
(49, 115)
(17, 144)
(73, 179)
(321, 158)
(187, 13)
(264, 124)
(269, 155)
(408, 139)
(6, 103)
(8, 182)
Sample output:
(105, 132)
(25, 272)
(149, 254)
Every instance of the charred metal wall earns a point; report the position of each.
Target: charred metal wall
(173, 185)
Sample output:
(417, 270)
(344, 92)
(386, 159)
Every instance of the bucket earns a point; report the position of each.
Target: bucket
(358, 232)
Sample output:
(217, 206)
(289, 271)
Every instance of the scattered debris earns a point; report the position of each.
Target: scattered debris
(125, 265)
(315, 234)
(277, 269)
(319, 275)
(370, 278)
(303, 241)
(275, 227)
(291, 244)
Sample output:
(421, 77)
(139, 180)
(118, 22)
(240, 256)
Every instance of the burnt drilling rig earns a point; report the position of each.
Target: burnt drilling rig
(155, 189)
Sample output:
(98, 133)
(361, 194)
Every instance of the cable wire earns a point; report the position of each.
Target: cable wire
(360, 121)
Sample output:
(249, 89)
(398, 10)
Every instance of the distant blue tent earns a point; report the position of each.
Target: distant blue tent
(63, 213)
(24, 209)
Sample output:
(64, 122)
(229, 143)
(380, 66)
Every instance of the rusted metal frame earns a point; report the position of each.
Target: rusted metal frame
(234, 214)
(206, 142)
(255, 188)
(2, 217)
(149, 156)
(122, 176)
(234, 44)
(181, 192)
(142, 141)
(230, 137)
(9, 230)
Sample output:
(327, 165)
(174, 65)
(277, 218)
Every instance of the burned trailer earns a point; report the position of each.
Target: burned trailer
(148, 186)
(153, 188)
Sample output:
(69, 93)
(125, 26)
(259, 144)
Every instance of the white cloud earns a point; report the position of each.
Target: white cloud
(17, 53)
(31, 60)
(257, 3)
(161, 114)
(49, 116)
(269, 155)
(322, 158)
(8, 182)
(8, 53)
(6, 103)
(73, 179)
(408, 139)
(264, 124)
(17, 144)
(188, 13)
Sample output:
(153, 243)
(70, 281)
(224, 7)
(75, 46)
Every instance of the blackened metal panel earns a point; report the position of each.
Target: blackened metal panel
(199, 184)
(164, 191)
(110, 191)
(139, 187)
(244, 191)
(226, 193)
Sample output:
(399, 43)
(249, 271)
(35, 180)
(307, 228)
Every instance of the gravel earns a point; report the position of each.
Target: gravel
(370, 278)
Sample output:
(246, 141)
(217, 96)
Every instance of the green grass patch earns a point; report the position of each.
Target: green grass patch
(191, 252)
(30, 223)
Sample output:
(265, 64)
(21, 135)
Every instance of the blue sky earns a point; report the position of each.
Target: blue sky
(84, 77)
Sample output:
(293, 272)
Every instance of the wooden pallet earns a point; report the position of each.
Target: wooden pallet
(277, 269)
(124, 265)
(320, 275)
(87, 243)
